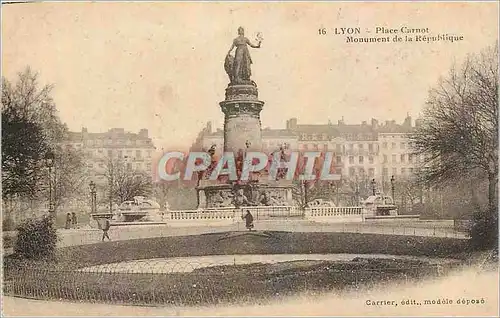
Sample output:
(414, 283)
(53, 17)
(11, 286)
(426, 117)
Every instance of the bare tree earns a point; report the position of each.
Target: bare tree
(458, 138)
(70, 182)
(459, 134)
(124, 182)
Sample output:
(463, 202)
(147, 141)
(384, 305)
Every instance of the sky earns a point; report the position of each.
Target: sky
(159, 65)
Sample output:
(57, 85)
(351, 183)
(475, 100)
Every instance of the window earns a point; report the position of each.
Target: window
(394, 171)
(410, 158)
(339, 159)
(129, 166)
(361, 159)
(385, 159)
(371, 172)
(351, 172)
(411, 170)
(393, 145)
(393, 158)
(370, 160)
(384, 145)
(110, 153)
(351, 146)
(338, 147)
(149, 153)
(120, 153)
(385, 171)
(90, 166)
(101, 165)
(361, 171)
(360, 146)
(351, 160)
(138, 154)
(403, 145)
(325, 147)
(338, 170)
(403, 171)
(402, 158)
(370, 147)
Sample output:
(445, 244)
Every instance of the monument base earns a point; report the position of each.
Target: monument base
(270, 193)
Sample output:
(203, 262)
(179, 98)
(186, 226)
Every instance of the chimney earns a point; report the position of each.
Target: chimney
(407, 122)
(291, 124)
(374, 123)
(209, 127)
(143, 133)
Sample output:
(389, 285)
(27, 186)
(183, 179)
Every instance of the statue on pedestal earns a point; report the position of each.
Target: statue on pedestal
(238, 67)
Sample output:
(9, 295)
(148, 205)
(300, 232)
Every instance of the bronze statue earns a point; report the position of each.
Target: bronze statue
(238, 67)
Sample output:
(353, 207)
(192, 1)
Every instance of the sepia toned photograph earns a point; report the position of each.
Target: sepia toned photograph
(250, 159)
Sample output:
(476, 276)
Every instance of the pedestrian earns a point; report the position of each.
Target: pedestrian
(105, 224)
(248, 220)
(68, 221)
(74, 220)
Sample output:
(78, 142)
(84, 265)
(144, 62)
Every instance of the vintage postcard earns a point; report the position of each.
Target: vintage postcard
(250, 159)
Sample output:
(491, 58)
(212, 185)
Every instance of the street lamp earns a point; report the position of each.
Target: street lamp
(93, 200)
(374, 185)
(392, 189)
(49, 162)
(357, 190)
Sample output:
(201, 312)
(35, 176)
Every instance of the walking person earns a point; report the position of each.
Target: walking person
(74, 220)
(105, 224)
(68, 221)
(248, 220)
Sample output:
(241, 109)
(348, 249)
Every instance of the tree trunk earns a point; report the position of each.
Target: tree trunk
(492, 193)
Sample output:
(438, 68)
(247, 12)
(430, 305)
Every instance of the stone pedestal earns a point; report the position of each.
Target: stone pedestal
(243, 133)
(242, 127)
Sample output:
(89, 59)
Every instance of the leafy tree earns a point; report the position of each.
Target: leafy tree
(459, 134)
(30, 127)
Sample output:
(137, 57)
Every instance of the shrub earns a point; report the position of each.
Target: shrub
(484, 230)
(36, 239)
(8, 224)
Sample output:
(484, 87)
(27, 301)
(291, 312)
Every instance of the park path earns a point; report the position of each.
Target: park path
(89, 236)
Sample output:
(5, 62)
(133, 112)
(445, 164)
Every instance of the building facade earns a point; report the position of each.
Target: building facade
(136, 150)
(361, 151)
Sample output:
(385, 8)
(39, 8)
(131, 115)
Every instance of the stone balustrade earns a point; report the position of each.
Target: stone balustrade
(335, 214)
(327, 211)
(266, 212)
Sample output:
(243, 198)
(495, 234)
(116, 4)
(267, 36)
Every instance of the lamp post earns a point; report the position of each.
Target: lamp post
(392, 189)
(49, 162)
(357, 191)
(93, 200)
(374, 185)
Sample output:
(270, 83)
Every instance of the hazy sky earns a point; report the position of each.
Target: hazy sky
(160, 65)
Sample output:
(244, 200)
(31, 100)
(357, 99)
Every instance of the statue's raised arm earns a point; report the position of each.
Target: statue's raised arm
(238, 67)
